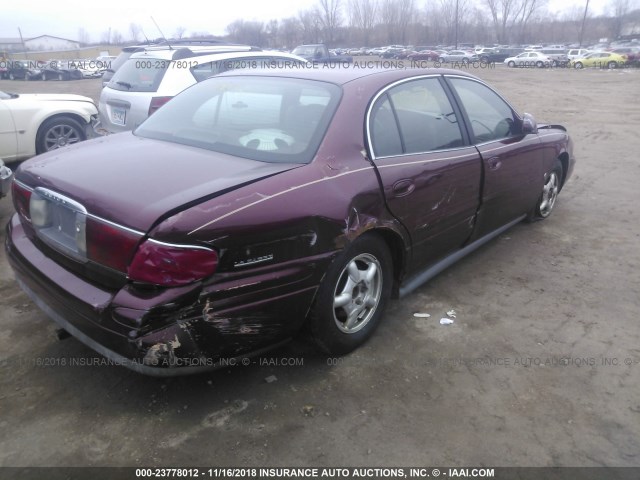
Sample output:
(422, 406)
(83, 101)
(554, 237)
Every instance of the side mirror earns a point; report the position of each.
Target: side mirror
(529, 124)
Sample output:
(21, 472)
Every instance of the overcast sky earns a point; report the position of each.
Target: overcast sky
(64, 19)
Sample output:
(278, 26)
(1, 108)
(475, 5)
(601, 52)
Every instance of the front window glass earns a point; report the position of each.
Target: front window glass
(491, 117)
(270, 119)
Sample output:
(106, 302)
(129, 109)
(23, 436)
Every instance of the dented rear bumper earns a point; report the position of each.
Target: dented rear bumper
(166, 332)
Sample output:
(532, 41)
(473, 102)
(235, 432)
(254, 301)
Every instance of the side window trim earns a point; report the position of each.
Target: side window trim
(451, 97)
(467, 120)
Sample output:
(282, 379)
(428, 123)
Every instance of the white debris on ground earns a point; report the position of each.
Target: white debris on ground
(421, 315)
(446, 321)
(451, 313)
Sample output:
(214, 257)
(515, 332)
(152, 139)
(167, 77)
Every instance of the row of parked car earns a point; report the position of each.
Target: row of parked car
(54, 69)
(512, 56)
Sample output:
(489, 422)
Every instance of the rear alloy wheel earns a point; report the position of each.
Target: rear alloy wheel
(511, 64)
(352, 296)
(58, 132)
(549, 195)
(539, 64)
(612, 65)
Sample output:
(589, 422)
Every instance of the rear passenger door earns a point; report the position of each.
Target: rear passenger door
(429, 172)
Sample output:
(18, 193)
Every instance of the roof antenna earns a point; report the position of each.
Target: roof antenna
(163, 37)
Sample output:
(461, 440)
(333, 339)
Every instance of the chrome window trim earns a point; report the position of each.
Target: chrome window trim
(373, 102)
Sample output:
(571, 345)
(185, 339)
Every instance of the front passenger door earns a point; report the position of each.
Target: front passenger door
(512, 161)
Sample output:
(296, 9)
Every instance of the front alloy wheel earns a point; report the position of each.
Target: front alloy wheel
(549, 195)
(58, 132)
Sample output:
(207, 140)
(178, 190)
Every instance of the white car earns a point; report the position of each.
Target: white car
(149, 79)
(36, 123)
(529, 59)
(577, 53)
(6, 175)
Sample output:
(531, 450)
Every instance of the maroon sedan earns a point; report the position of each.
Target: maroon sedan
(255, 204)
(424, 55)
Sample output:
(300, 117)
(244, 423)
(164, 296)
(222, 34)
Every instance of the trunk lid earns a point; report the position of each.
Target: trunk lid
(134, 181)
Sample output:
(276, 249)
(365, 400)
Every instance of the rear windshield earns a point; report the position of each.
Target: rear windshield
(139, 75)
(269, 119)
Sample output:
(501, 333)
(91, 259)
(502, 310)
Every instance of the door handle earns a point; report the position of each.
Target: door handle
(403, 187)
(494, 163)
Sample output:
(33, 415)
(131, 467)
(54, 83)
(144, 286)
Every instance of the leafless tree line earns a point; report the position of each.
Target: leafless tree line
(383, 22)
(414, 22)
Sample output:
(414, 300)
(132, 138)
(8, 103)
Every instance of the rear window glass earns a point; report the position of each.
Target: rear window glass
(139, 75)
(269, 119)
(205, 70)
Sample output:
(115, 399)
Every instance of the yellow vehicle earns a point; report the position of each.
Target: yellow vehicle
(599, 60)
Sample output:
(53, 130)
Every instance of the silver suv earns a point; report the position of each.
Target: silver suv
(149, 79)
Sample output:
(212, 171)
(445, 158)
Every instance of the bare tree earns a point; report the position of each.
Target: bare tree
(83, 37)
(330, 16)
(311, 26)
(272, 30)
(527, 9)
(116, 38)
(249, 32)
(362, 16)
(134, 31)
(503, 13)
(180, 31)
(106, 36)
(290, 30)
(451, 14)
(405, 17)
(620, 9)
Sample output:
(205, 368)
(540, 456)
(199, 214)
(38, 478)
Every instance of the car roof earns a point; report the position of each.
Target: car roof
(344, 75)
(205, 56)
(164, 52)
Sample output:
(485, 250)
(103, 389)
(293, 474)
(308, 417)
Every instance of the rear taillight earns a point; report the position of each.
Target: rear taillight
(110, 245)
(157, 102)
(21, 197)
(172, 265)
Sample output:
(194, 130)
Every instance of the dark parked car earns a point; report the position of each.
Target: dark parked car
(499, 55)
(23, 70)
(61, 70)
(255, 204)
(424, 55)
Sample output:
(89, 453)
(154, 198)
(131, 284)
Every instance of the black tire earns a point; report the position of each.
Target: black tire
(366, 299)
(51, 132)
(11, 76)
(549, 195)
(578, 65)
(539, 64)
(511, 64)
(612, 65)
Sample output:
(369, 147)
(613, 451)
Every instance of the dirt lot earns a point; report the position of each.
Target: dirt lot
(540, 368)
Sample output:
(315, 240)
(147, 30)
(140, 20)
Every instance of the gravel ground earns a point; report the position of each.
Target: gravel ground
(541, 366)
